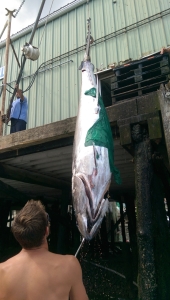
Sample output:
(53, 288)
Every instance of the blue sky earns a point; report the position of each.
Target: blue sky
(27, 14)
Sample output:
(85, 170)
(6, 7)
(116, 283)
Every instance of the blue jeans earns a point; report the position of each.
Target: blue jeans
(17, 125)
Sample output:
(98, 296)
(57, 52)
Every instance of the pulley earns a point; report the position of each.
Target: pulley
(30, 51)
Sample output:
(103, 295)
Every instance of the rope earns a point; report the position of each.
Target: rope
(19, 9)
(45, 24)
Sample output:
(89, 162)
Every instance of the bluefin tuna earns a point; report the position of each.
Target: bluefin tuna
(92, 166)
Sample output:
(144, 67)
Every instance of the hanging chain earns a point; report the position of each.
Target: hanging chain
(19, 9)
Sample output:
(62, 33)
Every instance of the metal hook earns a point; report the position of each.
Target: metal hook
(89, 39)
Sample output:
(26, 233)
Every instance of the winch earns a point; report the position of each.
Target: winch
(30, 51)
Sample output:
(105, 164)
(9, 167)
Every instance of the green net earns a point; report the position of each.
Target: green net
(100, 135)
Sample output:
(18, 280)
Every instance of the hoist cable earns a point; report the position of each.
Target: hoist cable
(19, 9)
(88, 10)
(45, 24)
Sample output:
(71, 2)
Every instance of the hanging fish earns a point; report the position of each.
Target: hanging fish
(93, 164)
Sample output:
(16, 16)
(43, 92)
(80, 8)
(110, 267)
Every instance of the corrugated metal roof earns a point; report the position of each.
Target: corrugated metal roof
(126, 29)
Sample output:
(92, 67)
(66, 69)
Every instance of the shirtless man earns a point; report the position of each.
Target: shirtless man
(35, 273)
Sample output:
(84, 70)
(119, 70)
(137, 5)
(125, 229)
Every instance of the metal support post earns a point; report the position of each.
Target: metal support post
(24, 60)
(9, 14)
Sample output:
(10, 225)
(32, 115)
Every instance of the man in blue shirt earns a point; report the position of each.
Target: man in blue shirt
(18, 114)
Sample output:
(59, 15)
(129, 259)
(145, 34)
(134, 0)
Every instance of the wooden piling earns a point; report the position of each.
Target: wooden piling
(147, 287)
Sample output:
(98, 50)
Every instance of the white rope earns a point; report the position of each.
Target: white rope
(46, 23)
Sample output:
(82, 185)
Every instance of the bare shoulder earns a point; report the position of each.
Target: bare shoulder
(77, 290)
(5, 266)
(69, 261)
(74, 264)
(2, 266)
(72, 260)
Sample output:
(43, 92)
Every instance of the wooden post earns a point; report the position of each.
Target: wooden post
(122, 220)
(164, 100)
(133, 268)
(147, 287)
(63, 232)
(4, 212)
(10, 14)
(161, 238)
(130, 209)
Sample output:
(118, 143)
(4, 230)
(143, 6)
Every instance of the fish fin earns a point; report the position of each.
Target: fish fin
(99, 219)
(91, 92)
(95, 156)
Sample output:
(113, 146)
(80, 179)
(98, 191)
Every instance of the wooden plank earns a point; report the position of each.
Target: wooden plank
(35, 148)
(60, 134)
(138, 119)
(154, 126)
(125, 134)
(132, 87)
(148, 103)
(37, 137)
(122, 110)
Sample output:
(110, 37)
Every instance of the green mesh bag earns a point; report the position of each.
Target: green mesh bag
(100, 135)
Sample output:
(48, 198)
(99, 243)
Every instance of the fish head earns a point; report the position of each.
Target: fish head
(88, 215)
(88, 77)
(86, 65)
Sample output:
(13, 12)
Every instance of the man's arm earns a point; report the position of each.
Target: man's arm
(77, 291)
(165, 50)
(19, 92)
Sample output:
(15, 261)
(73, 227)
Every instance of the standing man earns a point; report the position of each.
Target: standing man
(18, 115)
(35, 273)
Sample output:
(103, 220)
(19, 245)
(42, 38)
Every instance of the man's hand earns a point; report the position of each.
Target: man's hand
(19, 93)
(165, 50)
(4, 119)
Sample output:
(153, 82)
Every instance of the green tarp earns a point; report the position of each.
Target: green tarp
(100, 134)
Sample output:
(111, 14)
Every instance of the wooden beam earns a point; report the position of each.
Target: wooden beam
(147, 287)
(22, 175)
(58, 130)
(153, 121)
(36, 148)
(148, 103)
(164, 100)
(62, 130)
(13, 193)
(125, 134)
(154, 126)
(38, 136)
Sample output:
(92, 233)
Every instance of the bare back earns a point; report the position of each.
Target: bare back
(35, 275)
